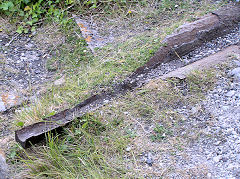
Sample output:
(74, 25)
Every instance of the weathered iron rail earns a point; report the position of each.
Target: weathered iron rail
(185, 39)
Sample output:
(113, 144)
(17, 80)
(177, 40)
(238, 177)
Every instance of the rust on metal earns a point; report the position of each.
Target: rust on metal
(192, 35)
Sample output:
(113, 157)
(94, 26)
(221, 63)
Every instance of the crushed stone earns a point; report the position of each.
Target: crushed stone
(21, 64)
(221, 151)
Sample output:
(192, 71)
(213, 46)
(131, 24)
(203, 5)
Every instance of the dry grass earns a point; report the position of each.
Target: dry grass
(132, 120)
(86, 75)
(156, 104)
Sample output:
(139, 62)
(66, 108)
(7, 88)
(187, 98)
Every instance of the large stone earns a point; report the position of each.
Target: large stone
(91, 35)
(3, 166)
(9, 100)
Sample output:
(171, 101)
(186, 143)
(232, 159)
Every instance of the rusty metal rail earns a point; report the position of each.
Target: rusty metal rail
(185, 39)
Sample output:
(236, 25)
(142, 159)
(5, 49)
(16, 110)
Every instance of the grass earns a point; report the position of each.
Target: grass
(150, 113)
(86, 150)
(94, 146)
(87, 74)
(160, 133)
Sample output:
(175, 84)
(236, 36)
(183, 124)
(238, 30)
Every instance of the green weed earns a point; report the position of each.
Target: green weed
(30, 13)
(200, 81)
(80, 153)
(160, 133)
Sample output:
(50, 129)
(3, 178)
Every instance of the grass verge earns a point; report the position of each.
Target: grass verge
(86, 74)
(96, 146)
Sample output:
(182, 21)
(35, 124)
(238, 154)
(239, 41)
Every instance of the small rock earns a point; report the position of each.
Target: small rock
(3, 166)
(29, 45)
(231, 166)
(235, 71)
(34, 32)
(23, 58)
(238, 158)
(106, 101)
(225, 108)
(194, 110)
(128, 149)
(224, 159)
(230, 93)
(217, 158)
(9, 100)
(234, 133)
(149, 161)
(237, 62)
(60, 81)
(2, 106)
(237, 142)
(217, 143)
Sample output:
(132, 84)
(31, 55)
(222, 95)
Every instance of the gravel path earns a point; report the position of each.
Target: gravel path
(22, 71)
(213, 125)
(22, 63)
(222, 152)
(206, 144)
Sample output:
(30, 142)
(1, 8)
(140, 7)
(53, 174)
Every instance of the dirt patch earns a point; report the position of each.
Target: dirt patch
(6, 27)
(48, 38)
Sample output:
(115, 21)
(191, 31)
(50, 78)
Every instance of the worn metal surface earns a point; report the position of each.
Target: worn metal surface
(35, 132)
(184, 40)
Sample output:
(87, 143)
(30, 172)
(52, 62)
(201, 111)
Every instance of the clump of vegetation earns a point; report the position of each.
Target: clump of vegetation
(160, 133)
(83, 152)
(30, 13)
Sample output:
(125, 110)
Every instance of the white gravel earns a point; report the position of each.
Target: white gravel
(219, 147)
